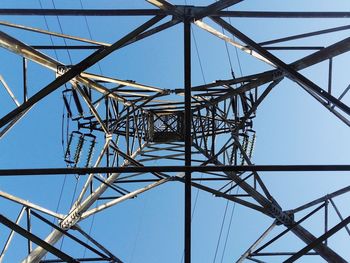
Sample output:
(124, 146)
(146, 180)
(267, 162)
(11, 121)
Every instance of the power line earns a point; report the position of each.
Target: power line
(61, 30)
(90, 34)
(229, 229)
(221, 229)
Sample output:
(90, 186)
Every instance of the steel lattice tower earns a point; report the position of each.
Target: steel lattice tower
(203, 129)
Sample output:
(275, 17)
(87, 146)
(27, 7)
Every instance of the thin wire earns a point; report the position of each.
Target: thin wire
(228, 55)
(71, 204)
(90, 230)
(238, 59)
(193, 210)
(138, 230)
(61, 30)
(62, 140)
(229, 229)
(48, 29)
(62, 129)
(236, 50)
(71, 62)
(100, 69)
(227, 52)
(57, 58)
(198, 56)
(90, 34)
(61, 193)
(221, 229)
(234, 204)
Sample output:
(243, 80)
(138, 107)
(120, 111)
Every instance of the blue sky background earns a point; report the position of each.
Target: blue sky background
(292, 128)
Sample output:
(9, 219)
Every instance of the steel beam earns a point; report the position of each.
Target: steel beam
(97, 244)
(268, 206)
(290, 72)
(319, 241)
(29, 53)
(276, 212)
(81, 12)
(232, 198)
(188, 138)
(75, 213)
(304, 35)
(66, 233)
(46, 32)
(153, 12)
(36, 240)
(331, 51)
(76, 70)
(222, 36)
(269, 14)
(157, 169)
(124, 198)
(339, 215)
(256, 243)
(10, 237)
(30, 205)
(215, 7)
(9, 91)
(289, 228)
(321, 199)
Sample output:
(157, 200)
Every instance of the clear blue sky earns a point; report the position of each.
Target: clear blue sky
(292, 128)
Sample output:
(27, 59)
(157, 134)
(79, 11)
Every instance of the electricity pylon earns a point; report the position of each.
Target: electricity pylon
(207, 128)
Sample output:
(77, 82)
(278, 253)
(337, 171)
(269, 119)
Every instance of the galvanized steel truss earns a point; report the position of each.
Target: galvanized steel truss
(143, 123)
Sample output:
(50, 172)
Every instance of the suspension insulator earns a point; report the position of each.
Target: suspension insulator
(77, 104)
(74, 112)
(67, 154)
(66, 103)
(252, 145)
(91, 149)
(232, 156)
(244, 147)
(78, 149)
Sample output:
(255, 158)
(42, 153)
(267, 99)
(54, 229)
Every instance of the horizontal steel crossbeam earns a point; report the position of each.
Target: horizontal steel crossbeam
(156, 169)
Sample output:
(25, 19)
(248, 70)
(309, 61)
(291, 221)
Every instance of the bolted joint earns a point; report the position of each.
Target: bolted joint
(277, 74)
(108, 136)
(282, 217)
(70, 220)
(287, 220)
